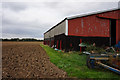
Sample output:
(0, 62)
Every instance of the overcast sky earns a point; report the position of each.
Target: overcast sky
(32, 19)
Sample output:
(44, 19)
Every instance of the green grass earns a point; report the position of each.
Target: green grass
(75, 64)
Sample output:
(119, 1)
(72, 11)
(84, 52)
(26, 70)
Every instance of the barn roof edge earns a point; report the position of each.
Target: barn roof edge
(92, 13)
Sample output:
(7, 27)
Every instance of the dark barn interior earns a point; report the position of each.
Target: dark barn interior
(71, 43)
(113, 31)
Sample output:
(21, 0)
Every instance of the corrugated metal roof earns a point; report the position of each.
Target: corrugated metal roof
(92, 13)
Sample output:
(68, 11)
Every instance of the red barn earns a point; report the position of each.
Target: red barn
(102, 28)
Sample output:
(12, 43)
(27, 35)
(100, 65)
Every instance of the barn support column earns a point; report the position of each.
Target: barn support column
(50, 42)
(47, 42)
(118, 25)
(57, 44)
(44, 42)
(80, 43)
(66, 44)
(53, 43)
(60, 44)
(117, 31)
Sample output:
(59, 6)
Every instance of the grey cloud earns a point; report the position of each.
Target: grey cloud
(23, 31)
(14, 6)
(33, 19)
(119, 4)
(53, 5)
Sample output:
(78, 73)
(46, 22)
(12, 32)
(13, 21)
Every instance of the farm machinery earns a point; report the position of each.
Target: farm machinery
(108, 61)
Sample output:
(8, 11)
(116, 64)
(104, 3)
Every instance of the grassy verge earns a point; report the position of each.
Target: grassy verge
(75, 65)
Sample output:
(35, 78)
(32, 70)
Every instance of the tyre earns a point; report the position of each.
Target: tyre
(88, 62)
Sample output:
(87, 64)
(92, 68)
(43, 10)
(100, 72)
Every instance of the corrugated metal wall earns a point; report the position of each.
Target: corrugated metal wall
(110, 14)
(59, 29)
(89, 26)
(97, 25)
(113, 15)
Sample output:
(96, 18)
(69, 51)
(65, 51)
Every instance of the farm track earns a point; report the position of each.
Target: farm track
(27, 60)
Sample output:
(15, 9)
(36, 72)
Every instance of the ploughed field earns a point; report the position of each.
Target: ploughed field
(27, 60)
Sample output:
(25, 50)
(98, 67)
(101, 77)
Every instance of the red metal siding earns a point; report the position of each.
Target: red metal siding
(117, 32)
(111, 14)
(89, 26)
(118, 28)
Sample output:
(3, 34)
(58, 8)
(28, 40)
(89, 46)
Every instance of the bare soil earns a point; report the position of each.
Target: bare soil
(27, 60)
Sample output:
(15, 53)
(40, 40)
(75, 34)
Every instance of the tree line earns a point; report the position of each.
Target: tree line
(17, 39)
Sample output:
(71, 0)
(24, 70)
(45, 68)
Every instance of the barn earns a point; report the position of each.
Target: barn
(102, 28)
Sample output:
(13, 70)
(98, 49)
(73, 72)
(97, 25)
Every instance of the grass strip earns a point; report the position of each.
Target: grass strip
(75, 64)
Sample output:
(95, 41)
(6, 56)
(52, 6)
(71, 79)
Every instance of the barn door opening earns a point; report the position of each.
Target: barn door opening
(113, 31)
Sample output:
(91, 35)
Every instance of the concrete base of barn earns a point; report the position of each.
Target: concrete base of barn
(71, 43)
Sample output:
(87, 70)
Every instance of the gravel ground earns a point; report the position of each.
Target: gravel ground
(27, 60)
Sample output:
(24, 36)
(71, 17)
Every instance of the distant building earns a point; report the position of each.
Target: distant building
(102, 28)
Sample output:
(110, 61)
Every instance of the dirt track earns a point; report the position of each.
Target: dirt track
(27, 60)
